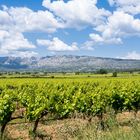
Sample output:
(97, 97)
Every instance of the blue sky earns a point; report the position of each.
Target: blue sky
(104, 28)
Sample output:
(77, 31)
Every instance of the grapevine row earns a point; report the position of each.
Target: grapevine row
(61, 100)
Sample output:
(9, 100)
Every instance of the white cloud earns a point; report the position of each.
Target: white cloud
(24, 19)
(24, 54)
(96, 38)
(119, 25)
(5, 20)
(16, 41)
(88, 45)
(3, 34)
(57, 45)
(124, 2)
(18, 53)
(77, 13)
(13, 42)
(131, 55)
(109, 28)
(128, 6)
(14, 21)
(111, 2)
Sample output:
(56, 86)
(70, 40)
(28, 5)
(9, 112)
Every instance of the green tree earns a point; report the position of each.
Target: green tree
(102, 71)
(114, 74)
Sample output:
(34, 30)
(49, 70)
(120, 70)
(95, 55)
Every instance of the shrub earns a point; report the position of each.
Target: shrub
(114, 74)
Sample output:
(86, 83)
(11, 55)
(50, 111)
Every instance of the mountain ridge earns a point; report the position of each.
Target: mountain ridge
(68, 63)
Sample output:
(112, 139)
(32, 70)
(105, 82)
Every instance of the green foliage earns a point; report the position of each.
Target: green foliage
(102, 71)
(77, 73)
(8, 100)
(62, 99)
(114, 74)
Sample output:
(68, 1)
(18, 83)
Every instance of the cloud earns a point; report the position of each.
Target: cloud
(77, 13)
(5, 20)
(98, 39)
(128, 6)
(88, 45)
(16, 41)
(23, 19)
(123, 2)
(13, 42)
(15, 21)
(57, 45)
(108, 27)
(131, 55)
(118, 26)
(3, 34)
(24, 54)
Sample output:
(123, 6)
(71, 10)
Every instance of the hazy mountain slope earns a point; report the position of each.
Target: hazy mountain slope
(66, 63)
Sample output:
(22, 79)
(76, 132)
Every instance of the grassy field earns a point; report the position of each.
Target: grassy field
(68, 75)
(125, 126)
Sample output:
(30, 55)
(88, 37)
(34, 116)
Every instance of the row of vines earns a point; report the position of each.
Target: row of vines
(61, 100)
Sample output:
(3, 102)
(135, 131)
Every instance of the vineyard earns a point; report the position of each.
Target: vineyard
(31, 100)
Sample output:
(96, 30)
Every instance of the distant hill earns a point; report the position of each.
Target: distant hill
(66, 63)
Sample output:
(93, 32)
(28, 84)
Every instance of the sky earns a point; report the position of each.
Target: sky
(102, 28)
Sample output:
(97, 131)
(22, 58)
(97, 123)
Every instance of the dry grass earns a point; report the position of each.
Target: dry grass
(77, 128)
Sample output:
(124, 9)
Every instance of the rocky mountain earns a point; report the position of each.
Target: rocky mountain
(66, 63)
